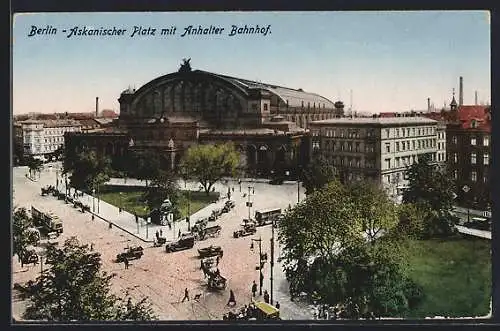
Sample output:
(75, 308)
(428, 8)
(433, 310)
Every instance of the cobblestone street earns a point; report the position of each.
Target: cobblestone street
(163, 276)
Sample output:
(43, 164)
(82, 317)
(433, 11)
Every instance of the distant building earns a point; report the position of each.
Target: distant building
(41, 138)
(377, 149)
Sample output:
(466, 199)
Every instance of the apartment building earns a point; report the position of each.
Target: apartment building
(375, 148)
(41, 138)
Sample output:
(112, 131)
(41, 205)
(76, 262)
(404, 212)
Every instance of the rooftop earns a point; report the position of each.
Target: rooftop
(377, 121)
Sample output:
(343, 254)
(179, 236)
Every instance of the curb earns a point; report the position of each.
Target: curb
(119, 227)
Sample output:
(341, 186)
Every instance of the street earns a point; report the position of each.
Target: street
(163, 276)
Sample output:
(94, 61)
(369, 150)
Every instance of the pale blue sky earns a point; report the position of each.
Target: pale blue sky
(392, 61)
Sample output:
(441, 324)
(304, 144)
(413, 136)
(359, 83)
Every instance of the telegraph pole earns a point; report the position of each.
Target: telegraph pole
(272, 257)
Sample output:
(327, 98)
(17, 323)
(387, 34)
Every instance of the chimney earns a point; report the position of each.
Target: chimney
(428, 104)
(461, 92)
(475, 98)
(96, 106)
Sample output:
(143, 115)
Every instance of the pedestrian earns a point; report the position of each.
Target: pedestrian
(125, 261)
(266, 297)
(179, 233)
(161, 233)
(186, 295)
(232, 300)
(92, 246)
(277, 305)
(221, 253)
(157, 234)
(254, 289)
(232, 188)
(110, 225)
(136, 217)
(93, 217)
(217, 260)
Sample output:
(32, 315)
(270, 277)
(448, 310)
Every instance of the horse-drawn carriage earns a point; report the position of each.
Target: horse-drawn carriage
(160, 241)
(216, 282)
(246, 229)
(48, 190)
(210, 251)
(211, 231)
(228, 205)
(131, 253)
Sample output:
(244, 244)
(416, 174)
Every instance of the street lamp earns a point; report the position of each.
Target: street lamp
(121, 202)
(147, 226)
(298, 183)
(273, 224)
(466, 189)
(93, 200)
(260, 262)
(249, 203)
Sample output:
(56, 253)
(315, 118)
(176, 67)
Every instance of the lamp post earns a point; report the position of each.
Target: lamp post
(98, 200)
(272, 256)
(57, 179)
(466, 189)
(261, 276)
(298, 184)
(147, 225)
(121, 202)
(249, 203)
(93, 200)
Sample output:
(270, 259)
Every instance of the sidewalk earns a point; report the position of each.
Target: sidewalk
(126, 221)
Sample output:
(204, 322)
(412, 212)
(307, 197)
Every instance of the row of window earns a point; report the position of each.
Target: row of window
(405, 160)
(473, 141)
(401, 146)
(411, 132)
(52, 140)
(61, 131)
(346, 133)
(473, 158)
(473, 176)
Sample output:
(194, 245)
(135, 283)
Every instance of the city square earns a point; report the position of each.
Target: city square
(324, 181)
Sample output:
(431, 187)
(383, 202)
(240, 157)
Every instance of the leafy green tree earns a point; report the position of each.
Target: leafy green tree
(209, 163)
(412, 221)
(163, 187)
(317, 174)
(23, 233)
(74, 289)
(325, 250)
(432, 188)
(145, 166)
(377, 211)
(89, 170)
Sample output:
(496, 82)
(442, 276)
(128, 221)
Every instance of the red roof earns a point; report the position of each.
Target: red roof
(480, 114)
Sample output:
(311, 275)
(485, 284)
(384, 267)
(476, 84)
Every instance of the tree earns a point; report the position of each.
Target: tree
(34, 166)
(412, 221)
(89, 170)
(74, 289)
(164, 186)
(317, 174)
(432, 189)
(325, 251)
(145, 166)
(377, 211)
(209, 163)
(22, 232)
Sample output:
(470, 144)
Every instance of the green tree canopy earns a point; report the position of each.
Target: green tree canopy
(89, 170)
(209, 163)
(145, 166)
(431, 188)
(22, 232)
(163, 187)
(74, 289)
(377, 211)
(317, 174)
(330, 247)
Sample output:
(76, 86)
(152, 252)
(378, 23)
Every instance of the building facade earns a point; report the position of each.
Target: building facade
(41, 138)
(378, 149)
(470, 154)
(266, 122)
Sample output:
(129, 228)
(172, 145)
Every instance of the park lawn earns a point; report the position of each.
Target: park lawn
(130, 200)
(455, 275)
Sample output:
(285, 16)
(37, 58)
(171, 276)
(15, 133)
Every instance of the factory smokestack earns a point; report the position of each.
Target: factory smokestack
(461, 92)
(96, 106)
(428, 104)
(475, 99)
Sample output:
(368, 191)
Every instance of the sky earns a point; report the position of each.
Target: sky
(372, 61)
